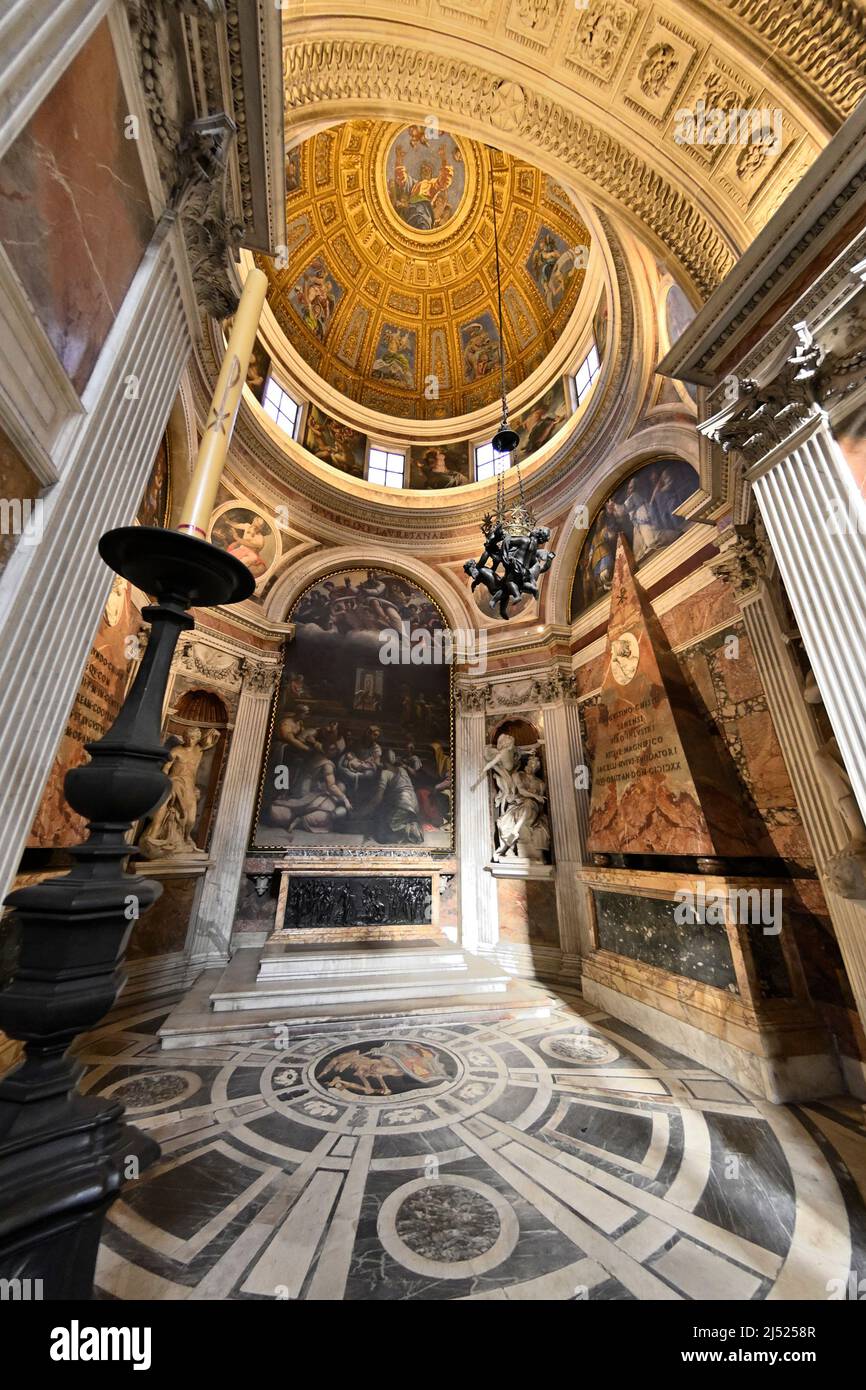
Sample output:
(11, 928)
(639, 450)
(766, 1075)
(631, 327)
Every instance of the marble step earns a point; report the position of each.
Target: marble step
(208, 1029)
(361, 988)
(195, 1022)
(287, 961)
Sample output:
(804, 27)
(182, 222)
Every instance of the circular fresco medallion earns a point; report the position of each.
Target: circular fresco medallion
(380, 1070)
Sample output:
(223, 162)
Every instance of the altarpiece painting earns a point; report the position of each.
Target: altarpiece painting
(359, 751)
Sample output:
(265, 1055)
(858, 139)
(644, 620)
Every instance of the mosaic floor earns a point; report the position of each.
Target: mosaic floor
(561, 1158)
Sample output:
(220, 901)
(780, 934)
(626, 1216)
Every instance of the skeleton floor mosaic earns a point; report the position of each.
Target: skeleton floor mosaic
(567, 1157)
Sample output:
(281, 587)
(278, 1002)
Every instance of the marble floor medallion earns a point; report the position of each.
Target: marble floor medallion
(565, 1157)
(386, 1070)
(579, 1047)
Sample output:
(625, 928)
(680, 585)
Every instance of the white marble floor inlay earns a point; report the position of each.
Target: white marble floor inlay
(569, 1157)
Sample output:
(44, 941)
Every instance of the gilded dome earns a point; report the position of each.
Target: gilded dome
(388, 287)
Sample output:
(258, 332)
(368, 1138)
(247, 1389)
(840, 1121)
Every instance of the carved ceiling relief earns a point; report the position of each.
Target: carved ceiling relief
(643, 64)
(824, 43)
(663, 60)
(599, 37)
(389, 292)
(533, 21)
(349, 70)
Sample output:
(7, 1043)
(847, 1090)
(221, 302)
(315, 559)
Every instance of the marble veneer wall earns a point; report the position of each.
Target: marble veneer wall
(728, 689)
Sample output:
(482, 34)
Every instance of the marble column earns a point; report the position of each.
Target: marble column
(209, 938)
(815, 520)
(479, 907)
(741, 563)
(569, 811)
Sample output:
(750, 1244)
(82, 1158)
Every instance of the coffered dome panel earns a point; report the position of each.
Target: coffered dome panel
(388, 288)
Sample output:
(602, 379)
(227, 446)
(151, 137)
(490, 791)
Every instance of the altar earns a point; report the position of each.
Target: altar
(355, 903)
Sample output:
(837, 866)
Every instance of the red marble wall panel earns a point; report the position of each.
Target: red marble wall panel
(75, 218)
(706, 609)
(162, 929)
(527, 911)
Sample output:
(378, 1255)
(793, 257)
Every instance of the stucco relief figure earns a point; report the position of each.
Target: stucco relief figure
(845, 872)
(520, 801)
(169, 831)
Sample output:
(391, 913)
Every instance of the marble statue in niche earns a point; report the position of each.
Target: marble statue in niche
(520, 801)
(169, 831)
(845, 872)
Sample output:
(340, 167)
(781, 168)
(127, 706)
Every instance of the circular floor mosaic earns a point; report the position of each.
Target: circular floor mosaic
(563, 1157)
(384, 1069)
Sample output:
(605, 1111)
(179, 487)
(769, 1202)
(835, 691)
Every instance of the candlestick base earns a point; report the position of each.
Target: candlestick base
(64, 1156)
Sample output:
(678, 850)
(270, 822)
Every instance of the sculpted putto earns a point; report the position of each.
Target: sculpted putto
(521, 559)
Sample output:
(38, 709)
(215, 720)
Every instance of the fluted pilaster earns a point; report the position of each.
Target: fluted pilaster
(479, 909)
(569, 813)
(815, 520)
(213, 917)
(799, 741)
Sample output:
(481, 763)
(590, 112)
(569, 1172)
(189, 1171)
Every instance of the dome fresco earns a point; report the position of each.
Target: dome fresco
(389, 290)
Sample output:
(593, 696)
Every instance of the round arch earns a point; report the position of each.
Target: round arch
(299, 574)
(494, 74)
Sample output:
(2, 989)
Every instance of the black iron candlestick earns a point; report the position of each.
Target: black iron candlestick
(64, 1156)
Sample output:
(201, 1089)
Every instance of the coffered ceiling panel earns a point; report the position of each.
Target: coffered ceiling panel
(388, 290)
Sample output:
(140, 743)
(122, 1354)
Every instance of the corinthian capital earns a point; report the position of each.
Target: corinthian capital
(473, 699)
(767, 415)
(259, 679)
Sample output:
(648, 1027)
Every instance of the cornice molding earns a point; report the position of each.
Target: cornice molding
(823, 44)
(357, 75)
(334, 508)
(831, 195)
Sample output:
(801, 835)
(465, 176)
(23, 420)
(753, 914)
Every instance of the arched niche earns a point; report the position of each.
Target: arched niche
(203, 709)
(523, 732)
